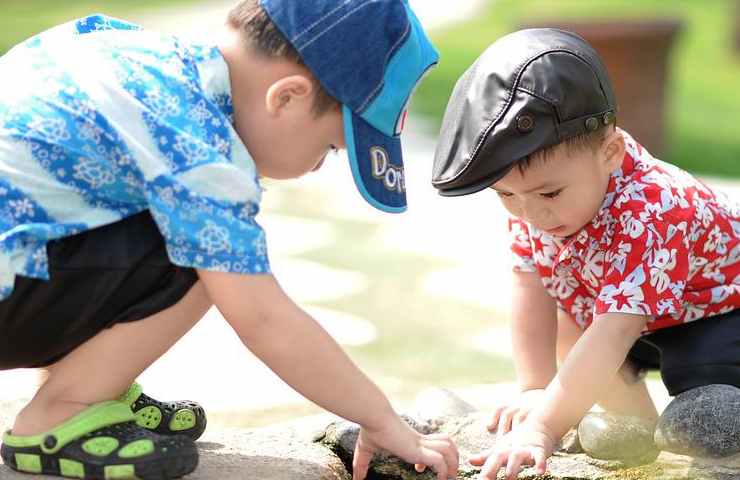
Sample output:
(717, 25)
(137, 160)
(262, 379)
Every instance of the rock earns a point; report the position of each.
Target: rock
(438, 404)
(626, 439)
(471, 437)
(703, 422)
(570, 443)
(341, 437)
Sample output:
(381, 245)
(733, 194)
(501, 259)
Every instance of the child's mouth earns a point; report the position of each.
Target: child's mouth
(556, 230)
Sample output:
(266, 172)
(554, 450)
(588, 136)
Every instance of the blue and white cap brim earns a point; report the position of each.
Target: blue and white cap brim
(377, 163)
(370, 55)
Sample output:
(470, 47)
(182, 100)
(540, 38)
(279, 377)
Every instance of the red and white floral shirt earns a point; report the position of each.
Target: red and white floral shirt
(663, 244)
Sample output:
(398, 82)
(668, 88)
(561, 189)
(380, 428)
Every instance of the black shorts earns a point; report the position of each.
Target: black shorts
(112, 274)
(703, 352)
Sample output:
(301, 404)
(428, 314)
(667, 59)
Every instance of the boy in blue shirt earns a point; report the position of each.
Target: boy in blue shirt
(129, 179)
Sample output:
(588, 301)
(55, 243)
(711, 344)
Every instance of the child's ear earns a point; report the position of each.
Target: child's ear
(295, 91)
(614, 150)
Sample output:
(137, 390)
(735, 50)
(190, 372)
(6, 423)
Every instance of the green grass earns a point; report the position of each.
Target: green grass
(703, 104)
(415, 343)
(24, 18)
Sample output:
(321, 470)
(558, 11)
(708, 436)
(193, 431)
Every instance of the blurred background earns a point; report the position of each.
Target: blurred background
(422, 299)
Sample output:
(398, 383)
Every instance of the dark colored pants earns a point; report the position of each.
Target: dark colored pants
(112, 274)
(703, 352)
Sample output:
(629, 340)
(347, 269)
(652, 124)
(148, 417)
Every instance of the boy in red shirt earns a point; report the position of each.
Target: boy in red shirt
(638, 260)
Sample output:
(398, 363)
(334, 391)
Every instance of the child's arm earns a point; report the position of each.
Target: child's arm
(298, 350)
(581, 381)
(588, 370)
(534, 331)
(534, 334)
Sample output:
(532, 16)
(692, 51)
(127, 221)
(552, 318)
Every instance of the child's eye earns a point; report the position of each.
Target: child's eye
(503, 194)
(552, 194)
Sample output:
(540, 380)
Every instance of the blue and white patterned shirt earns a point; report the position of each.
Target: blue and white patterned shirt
(100, 120)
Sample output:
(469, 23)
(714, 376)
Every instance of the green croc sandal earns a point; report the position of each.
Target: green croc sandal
(166, 418)
(101, 443)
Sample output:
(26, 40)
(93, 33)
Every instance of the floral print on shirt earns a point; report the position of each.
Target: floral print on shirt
(100, 120)
(663, 244)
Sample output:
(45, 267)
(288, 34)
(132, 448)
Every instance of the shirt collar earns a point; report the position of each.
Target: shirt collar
(213, 75)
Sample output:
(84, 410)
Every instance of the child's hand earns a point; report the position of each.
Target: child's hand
(508, 415)
(530, 444)
(436, 451)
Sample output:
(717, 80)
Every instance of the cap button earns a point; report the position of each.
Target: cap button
(525, 123)
(592, 124)
(608, 118)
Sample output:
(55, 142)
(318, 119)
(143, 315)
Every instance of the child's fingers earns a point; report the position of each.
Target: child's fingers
(359, 470)
(540, 461)
(443, 443)
(495, 417)
(435, 460)
(515, 461)
(361, 461)
(479, 459)
(493, 465)
(452, 459)
(519, 418)
(504, 423)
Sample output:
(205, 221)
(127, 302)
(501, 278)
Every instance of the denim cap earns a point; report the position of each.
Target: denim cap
(370, 55)
(530, 90)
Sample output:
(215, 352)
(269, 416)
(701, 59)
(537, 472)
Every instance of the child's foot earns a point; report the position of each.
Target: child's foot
(102, 442)
(166, 418)
(626, 439)
(702, 422)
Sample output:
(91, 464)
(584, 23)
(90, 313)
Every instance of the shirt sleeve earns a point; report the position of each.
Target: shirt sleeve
(521, 246)
(205, 230)
(646, 267)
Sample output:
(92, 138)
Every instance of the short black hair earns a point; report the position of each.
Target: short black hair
(589, 140)
(266, 39)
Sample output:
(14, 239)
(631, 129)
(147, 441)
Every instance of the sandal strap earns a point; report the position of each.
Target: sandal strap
(132, 394)
(98, 416)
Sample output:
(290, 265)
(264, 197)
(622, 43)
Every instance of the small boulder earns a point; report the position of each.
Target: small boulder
(438, 404)
(627, 439)
(702, 422)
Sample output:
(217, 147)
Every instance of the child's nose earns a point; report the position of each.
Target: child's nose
(534, 214)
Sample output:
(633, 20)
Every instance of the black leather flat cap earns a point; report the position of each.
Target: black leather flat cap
(530, 90)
